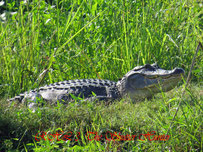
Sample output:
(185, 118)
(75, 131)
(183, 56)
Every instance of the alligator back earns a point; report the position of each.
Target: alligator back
(84, 88)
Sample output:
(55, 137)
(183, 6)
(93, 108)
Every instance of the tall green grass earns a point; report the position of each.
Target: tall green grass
(95, 39)
(42, 43)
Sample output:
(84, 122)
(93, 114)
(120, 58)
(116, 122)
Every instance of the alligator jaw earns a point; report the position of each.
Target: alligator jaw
(145, 81)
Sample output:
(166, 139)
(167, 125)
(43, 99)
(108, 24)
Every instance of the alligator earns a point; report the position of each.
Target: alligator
(139, 83)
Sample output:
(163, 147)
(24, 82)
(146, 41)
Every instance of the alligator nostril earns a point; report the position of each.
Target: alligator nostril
(178, 71)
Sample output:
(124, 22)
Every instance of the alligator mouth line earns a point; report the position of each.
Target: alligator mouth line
(159, 83)
(163, 76)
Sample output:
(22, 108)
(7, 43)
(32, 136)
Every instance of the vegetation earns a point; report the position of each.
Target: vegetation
(42, 42)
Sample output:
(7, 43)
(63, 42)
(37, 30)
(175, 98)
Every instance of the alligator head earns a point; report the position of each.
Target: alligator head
(145, 81)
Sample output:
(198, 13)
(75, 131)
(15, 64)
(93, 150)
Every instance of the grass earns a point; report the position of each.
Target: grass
(42, 43)
(21, 126)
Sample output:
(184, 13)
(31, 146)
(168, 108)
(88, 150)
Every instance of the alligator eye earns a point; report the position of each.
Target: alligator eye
(149, 67)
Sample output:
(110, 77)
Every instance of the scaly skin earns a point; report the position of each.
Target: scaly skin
(84, 88)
